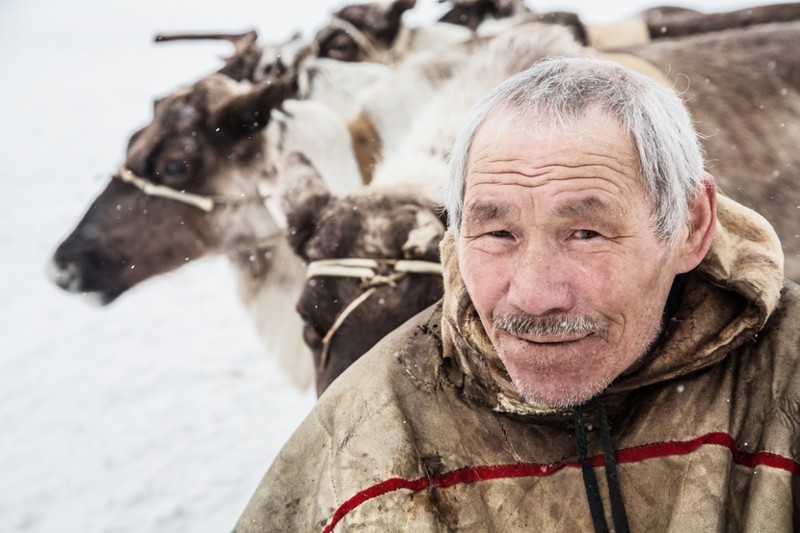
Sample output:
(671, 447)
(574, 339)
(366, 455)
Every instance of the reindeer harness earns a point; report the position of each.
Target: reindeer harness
(207, 204)
(204, 203)
(368, 270)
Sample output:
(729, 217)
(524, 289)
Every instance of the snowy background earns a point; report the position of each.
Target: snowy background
(160, 412)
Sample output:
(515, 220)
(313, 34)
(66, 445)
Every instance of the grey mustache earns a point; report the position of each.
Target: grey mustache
(550, 325)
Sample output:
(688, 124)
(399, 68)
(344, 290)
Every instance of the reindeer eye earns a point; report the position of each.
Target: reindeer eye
(342, 47)
(273, 70)
(175, 168)
(175, 171)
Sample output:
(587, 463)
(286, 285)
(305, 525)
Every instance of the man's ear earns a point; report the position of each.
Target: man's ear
(702, 220)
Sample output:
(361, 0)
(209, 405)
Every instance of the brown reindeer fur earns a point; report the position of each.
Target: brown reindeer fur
(366, 145)
(378, 223)
(666, 22)
(742, 88)
(682, 22)
(472, 13)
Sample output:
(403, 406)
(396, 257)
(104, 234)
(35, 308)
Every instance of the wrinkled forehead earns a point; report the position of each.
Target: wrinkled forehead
(510, 148)
(594, 130)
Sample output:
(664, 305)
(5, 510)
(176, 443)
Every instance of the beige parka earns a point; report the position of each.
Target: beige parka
(427, 433)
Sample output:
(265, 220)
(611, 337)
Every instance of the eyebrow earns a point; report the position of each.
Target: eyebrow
(588, 208)
(481, 212)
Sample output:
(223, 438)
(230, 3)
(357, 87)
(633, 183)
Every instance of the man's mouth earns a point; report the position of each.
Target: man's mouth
(551, 340)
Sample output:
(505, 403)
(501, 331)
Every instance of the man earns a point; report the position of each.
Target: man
(615, 348)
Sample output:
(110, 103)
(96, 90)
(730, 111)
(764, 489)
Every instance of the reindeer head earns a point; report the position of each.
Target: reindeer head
(471, 13)
(362, 32)
(379, 224)
(188, 188)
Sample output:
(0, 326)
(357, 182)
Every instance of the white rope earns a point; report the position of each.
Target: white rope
(162, 191)
(415, 266)
(204, 203)
(326, 340)
(356, 267)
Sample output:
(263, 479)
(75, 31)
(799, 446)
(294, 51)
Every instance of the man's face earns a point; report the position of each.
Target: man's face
(560, 257)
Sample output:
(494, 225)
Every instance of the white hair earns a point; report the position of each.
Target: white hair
(561, 91)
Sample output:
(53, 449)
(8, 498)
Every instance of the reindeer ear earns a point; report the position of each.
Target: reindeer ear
(380, 20)
(397, 8)
(387, 29)
(569, 20)
(303, 196)
(248, 112)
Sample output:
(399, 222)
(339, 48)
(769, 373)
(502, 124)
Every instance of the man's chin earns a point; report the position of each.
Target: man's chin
(556, 393)
(555, 400)
(553, 375)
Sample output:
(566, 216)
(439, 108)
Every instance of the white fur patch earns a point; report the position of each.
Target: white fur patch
(321, 135)
(428, 232)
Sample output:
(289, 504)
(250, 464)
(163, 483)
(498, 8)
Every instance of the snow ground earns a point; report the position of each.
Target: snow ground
(160, 412)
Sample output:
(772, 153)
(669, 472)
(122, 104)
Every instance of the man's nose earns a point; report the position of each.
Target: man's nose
(540, 283)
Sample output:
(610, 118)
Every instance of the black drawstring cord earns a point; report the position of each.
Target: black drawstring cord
(589, 479)
(617, 504)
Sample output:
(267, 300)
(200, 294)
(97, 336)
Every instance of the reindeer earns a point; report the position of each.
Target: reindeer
(179, 195)
(373, 263)
(668, 22)
(197, 181)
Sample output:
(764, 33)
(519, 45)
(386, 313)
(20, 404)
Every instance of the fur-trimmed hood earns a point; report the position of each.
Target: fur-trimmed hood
(725, 301)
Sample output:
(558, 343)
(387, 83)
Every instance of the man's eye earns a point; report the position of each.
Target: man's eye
(502, 234)
(585, 234)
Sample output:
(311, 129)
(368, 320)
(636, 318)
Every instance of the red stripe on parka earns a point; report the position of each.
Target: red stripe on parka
(627, 455)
